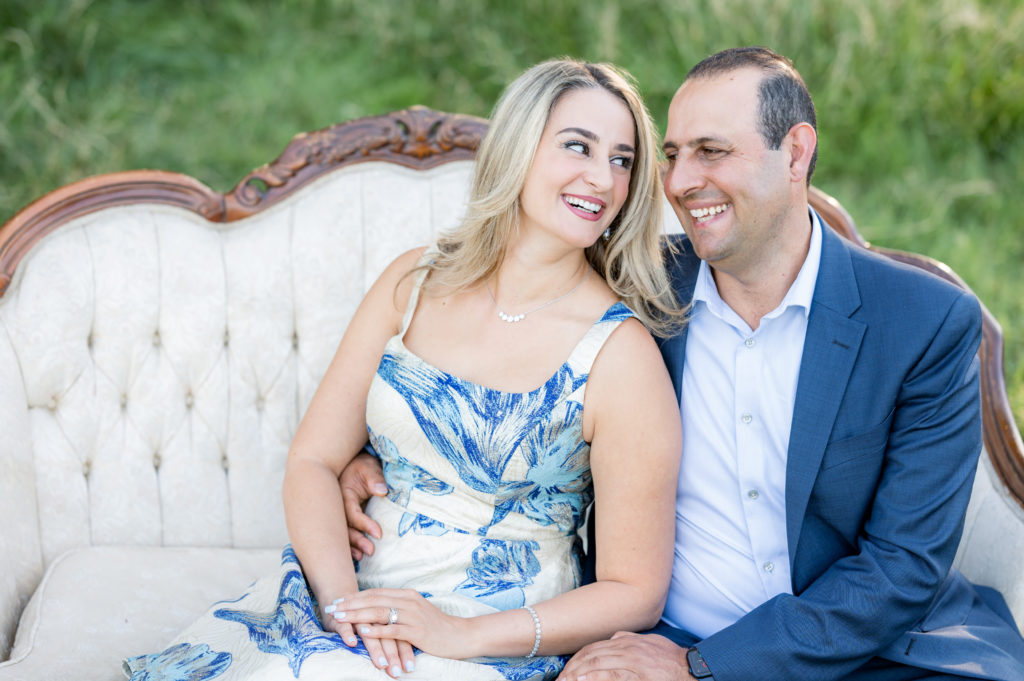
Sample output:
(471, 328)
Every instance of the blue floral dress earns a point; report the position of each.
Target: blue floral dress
(488, 492)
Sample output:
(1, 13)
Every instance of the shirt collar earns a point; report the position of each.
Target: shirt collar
(800, 293)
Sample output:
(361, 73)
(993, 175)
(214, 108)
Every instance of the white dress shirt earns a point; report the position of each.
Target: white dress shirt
(738, 391)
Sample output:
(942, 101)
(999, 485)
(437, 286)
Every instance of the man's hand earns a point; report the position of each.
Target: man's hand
(628, 657)
(361, 479)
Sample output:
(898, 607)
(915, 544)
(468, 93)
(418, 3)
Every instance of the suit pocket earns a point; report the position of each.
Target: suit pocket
(871, 441)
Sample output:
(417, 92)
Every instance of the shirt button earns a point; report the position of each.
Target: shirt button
(753, 494)
(747, 418)
(769, 566)
(749, 342)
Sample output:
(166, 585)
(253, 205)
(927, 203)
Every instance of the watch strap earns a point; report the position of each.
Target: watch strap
(698, 667)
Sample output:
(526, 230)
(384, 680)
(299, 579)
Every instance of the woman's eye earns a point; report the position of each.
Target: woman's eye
(578, 147)
(624, 161)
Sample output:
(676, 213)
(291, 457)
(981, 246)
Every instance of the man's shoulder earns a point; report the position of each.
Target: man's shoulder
(896, 287)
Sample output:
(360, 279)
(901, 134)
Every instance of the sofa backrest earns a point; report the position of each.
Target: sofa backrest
(159, 341)
(166, 359)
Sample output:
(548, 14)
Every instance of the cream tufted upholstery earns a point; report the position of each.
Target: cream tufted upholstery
(154, 365)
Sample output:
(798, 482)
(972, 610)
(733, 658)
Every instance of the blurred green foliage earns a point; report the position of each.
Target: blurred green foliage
(920, 103)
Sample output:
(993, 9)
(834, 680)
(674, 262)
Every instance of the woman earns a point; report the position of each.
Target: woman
(454, 369)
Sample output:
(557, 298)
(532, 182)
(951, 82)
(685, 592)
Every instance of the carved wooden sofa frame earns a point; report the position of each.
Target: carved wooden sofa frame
(84, 550)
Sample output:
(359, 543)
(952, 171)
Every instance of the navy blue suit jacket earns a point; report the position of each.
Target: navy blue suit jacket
(883, 449)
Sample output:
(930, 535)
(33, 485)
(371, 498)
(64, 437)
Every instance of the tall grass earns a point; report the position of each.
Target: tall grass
(921, 103)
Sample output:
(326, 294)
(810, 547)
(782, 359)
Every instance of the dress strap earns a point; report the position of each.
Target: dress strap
(414, 296)
(583, 355)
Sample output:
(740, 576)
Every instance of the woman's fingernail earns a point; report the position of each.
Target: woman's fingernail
(364, 630)
(339, 615)
(396, 670)
(382, 661)
(351, 640)
(410, 666)
(380, 488)
(330, 608)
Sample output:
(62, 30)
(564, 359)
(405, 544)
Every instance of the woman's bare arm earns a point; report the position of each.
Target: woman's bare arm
(331, 433)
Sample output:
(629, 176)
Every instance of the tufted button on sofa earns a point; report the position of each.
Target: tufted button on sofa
(159, 343)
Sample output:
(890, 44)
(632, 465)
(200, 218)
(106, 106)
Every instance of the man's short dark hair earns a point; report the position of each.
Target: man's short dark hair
(782, 96)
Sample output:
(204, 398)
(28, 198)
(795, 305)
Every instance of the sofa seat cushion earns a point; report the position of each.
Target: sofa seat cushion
(98, 605)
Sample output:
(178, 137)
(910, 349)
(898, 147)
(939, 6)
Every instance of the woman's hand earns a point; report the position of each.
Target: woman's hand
(405, 615)
(387, 654)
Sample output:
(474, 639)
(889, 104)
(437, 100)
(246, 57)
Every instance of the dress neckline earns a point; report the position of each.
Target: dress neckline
(399, 339)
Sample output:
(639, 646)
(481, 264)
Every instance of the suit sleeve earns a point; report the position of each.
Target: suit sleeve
(866, 600)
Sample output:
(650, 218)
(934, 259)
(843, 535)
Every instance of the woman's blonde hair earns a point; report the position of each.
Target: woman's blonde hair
(631, 260)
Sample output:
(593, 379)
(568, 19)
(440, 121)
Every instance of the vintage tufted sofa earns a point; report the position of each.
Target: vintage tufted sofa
(159, 342)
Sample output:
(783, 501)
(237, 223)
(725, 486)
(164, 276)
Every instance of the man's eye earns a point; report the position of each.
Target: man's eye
(712, 152)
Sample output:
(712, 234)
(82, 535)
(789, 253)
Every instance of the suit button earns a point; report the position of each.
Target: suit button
(753, 494)
(769, 566)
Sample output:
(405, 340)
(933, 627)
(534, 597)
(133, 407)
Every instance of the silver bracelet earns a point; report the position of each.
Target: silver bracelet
(536, 628)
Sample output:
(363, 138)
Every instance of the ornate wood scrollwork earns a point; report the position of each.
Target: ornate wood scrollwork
(417, 137)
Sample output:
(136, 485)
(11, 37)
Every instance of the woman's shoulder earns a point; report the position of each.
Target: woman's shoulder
(397, 282)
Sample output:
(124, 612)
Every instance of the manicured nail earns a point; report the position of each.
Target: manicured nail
(396, 670)
(338, 600)
(351, 640)
(330, 608)
(364, 630)
(410, 666)
(339, 615)
(382, 661)
(380, 488)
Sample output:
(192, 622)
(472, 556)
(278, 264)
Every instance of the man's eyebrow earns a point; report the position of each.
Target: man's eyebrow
(594, 138)
(700, 141)
(669, 145)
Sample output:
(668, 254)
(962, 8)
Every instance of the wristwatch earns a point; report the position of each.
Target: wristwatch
(698, 667)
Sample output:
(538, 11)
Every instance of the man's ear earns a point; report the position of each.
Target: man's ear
(801, 141)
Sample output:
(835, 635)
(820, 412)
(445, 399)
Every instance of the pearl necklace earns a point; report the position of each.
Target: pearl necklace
(513, 318)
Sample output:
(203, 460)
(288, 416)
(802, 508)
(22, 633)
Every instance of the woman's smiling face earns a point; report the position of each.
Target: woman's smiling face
(579, 178)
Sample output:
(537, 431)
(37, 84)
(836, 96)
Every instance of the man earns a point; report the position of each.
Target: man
(831, 424)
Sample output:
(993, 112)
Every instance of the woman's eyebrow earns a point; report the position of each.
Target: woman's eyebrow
(594, 138)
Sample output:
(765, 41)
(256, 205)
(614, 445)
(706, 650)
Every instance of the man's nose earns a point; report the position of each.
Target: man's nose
(681, 179)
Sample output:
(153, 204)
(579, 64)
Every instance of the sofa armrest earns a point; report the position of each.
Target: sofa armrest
(21, 563)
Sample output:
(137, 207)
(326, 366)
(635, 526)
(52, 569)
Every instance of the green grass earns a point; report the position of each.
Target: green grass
(920, 103)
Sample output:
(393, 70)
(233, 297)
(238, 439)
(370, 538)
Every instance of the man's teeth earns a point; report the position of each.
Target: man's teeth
(704, 214)
(585, 205)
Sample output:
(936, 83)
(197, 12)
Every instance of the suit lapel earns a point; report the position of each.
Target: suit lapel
(683, 267)
(831, 346)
